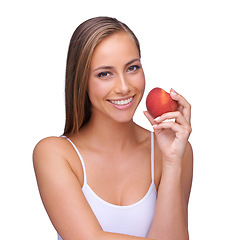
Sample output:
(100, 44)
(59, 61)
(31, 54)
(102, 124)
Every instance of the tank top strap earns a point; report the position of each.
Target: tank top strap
(80, 157)
(152, 156)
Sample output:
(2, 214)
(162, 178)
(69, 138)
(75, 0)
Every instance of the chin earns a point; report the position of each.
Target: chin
(123, 118)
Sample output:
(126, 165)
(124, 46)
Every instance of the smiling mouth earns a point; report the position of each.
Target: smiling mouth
(121, 102)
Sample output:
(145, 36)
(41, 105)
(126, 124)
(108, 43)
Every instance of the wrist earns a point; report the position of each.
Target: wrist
(172, 162)
(171, 170)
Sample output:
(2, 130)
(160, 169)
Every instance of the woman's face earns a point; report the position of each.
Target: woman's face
(116, 81)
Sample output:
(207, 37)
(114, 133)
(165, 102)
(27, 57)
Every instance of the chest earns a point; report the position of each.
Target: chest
(134, 219)
(120, 179)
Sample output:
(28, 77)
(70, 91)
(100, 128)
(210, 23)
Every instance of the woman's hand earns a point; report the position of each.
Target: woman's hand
(172, 136)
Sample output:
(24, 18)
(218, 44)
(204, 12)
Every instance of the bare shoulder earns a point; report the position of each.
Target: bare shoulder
(48, 156)
(56, 155)
(49, 144)
(48, 149)
(189, 153)
(187, 173)
(55, 164)
(188, 165)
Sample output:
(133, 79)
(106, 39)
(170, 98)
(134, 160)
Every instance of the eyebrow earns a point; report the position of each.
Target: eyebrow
(111, 67)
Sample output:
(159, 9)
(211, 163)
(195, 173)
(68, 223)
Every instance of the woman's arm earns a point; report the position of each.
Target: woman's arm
(62, 196)
(170, 218)
(171, 214)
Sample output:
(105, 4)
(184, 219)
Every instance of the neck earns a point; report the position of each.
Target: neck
(110, 134)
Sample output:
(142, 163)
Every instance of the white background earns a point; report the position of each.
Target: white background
(184, 45)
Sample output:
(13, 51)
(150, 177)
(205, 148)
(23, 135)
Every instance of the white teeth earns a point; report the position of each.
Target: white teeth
(122, 102)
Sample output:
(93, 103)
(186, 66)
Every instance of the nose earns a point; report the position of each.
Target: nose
(122, 85)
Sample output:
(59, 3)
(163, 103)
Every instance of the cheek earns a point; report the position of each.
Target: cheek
(97, 90)
(140, 83)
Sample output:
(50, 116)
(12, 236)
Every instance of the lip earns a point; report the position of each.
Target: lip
(119, 99)
(122, 107)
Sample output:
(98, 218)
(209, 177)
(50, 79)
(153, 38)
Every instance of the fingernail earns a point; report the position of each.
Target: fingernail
(173, 92)
(156, 119)
(154, 126)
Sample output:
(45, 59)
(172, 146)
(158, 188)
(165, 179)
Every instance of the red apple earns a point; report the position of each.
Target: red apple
(159, 102)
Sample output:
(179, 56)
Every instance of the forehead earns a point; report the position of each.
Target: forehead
(117, 48)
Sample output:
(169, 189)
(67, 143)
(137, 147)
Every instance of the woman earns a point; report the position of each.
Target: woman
(106, 177)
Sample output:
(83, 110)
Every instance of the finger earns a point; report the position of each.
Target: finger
(179, 118)
(179, 130)
(179, 98)
(185, 107)
(149, 117)
(167, 125)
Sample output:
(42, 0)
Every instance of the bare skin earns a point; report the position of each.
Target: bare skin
(117, 152)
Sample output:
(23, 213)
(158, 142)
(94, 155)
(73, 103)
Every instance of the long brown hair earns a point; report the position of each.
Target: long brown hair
(82, 44)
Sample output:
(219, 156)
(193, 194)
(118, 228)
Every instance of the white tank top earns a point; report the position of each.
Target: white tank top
(134, 219)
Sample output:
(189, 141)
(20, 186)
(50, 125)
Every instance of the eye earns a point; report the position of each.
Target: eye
(103, 74)
(133, 68)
